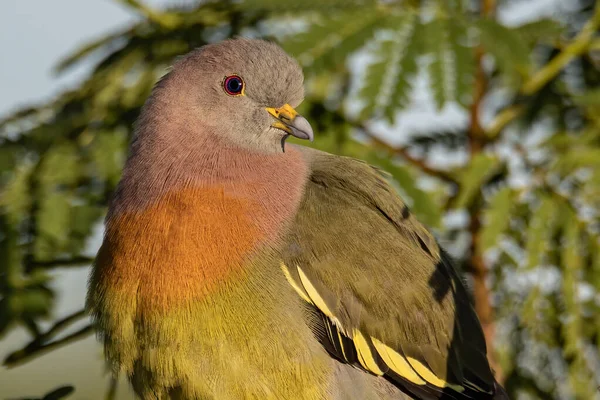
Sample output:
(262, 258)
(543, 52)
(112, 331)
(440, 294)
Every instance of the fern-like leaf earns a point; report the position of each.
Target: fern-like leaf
(497, 217)
(388, 79)
(542, 226)
(438, 44)
(508, 47)
(472, 177)
(462, 61)
(329, 41)
(543, 30)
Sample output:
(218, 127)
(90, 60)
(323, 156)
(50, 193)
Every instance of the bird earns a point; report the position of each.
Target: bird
(235, 265)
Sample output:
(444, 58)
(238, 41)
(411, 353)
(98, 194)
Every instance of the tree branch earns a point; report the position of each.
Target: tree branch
(584, 41)
(39, 345)
(404, 153)
(475, 263)
(578, 46)
(68, 262)
(502, 119)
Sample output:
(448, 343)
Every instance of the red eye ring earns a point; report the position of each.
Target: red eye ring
(233, 85)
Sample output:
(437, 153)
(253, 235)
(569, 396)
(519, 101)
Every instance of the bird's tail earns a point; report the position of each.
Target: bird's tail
(500, 393)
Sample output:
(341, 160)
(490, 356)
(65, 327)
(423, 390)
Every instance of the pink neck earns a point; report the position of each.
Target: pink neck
(161, 165)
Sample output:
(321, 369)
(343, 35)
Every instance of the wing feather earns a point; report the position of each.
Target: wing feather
(351, 236)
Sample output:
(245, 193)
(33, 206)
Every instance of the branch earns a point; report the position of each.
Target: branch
(502, 119)
(578, 46)
(68, 262)
(34, 350)
(583, 42)
(475, 263)
(404, 153)
(39, 345)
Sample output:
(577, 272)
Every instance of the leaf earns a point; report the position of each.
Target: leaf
(590, 98)
(452, 66)
(9, 156)
(53, 225)
(536, 313)
(388, 82)
(507, 46)
(15, 197)
(577, 158)
(462, 61)
(329, 42)
(108, 155)
(580, 377)
(59, 166)
(407, 69)
(472, 177)
(29, 303)
(33, 302)
(569, 141)
(497, 217)
(543, 30)
(438, 46)
(83, 219)
(542, 226)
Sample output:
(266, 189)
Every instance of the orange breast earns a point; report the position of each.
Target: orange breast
(179, 248)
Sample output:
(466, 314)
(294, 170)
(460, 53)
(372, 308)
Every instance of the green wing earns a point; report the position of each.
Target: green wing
(389, 300)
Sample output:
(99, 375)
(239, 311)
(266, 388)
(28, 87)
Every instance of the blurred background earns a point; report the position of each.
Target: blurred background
(486, 113)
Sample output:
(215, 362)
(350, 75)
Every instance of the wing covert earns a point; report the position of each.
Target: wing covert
(389, 299)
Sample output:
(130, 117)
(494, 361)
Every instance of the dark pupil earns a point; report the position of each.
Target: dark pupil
(234, 85)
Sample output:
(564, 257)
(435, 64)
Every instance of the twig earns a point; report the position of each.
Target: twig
(584, 41)
(404, 153)
(578, 46)
(502, 119)
(69, 262)
(62, 324)
(475, 263)
(33, 350)
(39, 345)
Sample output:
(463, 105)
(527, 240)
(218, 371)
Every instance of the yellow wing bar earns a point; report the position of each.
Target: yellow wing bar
(408, 368)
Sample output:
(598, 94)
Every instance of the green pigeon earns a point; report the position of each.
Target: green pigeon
(235, 266)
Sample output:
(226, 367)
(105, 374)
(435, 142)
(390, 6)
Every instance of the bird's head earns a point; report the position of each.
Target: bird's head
(240, 90)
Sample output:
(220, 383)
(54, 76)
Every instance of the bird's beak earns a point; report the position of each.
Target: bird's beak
(289, 121)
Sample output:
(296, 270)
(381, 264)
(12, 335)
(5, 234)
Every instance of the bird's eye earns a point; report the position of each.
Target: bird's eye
(233, 85)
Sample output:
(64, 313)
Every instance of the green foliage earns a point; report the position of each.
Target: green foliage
(496, 215)
(542, 30)
(331, 39)
(507, 46)
(441, 67)
(388, 81)
(472, 177)
(537, 202)
(542, 226)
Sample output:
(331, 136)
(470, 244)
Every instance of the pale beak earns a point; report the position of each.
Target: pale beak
(289, 121)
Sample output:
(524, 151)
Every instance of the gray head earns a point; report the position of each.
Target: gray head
(241, 90)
